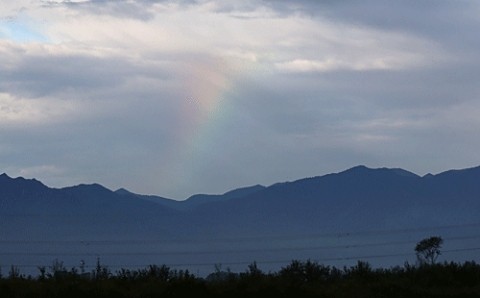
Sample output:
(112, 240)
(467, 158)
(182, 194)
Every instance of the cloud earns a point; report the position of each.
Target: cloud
(447, 23)
(302, 65)
(15, 112)
(143, 10)
(175, 98)
(35, 171)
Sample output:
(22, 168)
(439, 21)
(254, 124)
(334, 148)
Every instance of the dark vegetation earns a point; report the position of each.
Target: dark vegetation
(297, 279)
(428, 249)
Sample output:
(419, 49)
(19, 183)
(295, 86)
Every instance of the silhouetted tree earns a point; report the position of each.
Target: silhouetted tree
(161, 273)
(14, 272)
(428, 249)
(303, 272)
(101, 271)
(43, 271)
(57, 270)
(253, 270)
(362, 269)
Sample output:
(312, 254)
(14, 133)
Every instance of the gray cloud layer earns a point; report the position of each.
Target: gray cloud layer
(202, 96)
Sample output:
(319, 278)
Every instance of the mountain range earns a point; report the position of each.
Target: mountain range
(320, 217)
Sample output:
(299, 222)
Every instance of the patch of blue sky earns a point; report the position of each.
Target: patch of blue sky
(21, 32)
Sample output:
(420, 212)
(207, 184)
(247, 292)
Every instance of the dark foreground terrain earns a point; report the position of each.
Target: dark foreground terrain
(298, 279)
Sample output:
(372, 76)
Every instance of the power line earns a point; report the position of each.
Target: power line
(253, 238)
(228, 251)
(284, 261)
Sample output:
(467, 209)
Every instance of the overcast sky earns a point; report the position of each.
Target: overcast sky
(181, 97)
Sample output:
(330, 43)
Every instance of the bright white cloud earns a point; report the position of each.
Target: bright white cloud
(20, 112)
(292, 43)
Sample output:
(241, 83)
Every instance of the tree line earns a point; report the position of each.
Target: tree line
(426, 278)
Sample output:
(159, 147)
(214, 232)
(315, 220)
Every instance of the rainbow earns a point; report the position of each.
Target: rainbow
(206, 105)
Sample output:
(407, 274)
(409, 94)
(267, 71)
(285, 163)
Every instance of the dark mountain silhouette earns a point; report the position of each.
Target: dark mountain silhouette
(195, 200)
(31, 210)
(169, 203)
(357, 198)
(245, 220)
(200, 199)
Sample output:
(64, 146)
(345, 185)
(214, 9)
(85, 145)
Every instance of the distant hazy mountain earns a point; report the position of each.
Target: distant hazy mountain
(359, 198)
(355, 200)
(30, 210)
(195, 200)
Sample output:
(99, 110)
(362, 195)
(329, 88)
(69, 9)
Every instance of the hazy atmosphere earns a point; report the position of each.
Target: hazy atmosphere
(181, 97)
